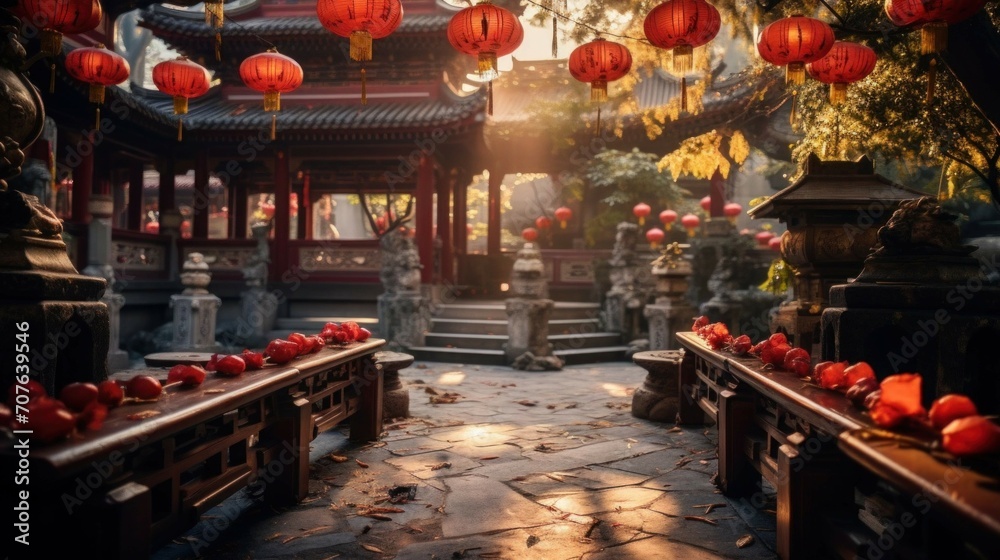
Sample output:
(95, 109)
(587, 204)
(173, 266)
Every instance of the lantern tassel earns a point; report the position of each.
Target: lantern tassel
(52, 77)
(489, 98)
(684, 94)
(274, 126)
(364, 87)
(931, 80)
(361, 46)
(791, 118)
(934, 37)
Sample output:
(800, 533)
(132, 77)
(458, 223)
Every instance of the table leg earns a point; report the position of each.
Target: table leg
(127, 516)
(688, 411)
(366, 423)
(737, 477)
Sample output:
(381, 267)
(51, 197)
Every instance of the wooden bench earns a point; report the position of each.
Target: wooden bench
(134, 484)
(815, 448)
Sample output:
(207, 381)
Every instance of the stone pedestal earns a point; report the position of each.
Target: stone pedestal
(194, 322)
(671, 313)
(99, 265)
(395, 397)
(658, 398)
(259, 313)
(528, 312)
(403, 319)
(666, 320)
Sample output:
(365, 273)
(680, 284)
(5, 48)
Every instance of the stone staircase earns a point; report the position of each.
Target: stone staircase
(309, 317)
(476, 332)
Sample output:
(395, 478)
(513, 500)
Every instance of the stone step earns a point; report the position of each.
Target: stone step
(497, 342)
(496, 310)
(313, 325)
(457, 355)
(313, 309)
(593, 355)
(498, 327)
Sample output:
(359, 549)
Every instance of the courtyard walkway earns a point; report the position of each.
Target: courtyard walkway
(498, 463)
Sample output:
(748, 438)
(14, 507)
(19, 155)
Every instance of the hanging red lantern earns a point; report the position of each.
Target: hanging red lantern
(762, 238)
(732, 211)
(272, 74)
(690, 223)
(794, 42)
(362, 21)
(563, 214)
(845, 64)
(933, 17)
(58, 17)
(774, 244)
(487, 32)
(682, 25)
(529, 234)
(543, 222)
(98, 67)
(640, 211)
(184, 80)
(655, 236)
(706, 203)
(599, 62)
(668, 217)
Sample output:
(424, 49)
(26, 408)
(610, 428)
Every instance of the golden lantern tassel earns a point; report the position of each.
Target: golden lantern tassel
(684, 94)
(361, 46)
(364, 87)
(683, 59)
(489, 98)
(52, 77)
(934, 37)
(795, 73)
(274, 126)
(838, 93)
(598, 91)
(931, 79)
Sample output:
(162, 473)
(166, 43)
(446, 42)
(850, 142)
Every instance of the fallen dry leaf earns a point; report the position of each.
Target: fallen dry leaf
(143, 415)
(383, 510)
(490, 458)
(744, 541)
(702, 519)
(289, 539)
(683, 461)
(440, 466)
(674, 430)
(315, 530)
(371, 548)
(378, 516)
(431, 391)
(272, 537)
(526, 403)
(361, 463)
(338, 458)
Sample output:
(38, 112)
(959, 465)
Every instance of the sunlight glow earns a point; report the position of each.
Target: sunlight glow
(616, 390)
(451, 378)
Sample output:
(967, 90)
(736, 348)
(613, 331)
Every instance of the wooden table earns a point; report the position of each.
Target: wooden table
(136, 483)
(812, 445)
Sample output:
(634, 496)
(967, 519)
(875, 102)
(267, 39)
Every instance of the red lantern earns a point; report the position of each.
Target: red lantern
(640, 211)
(732, 211)
(775, 244)
(542, 222)
(763, 237)
(933, 17)
(58, 17)
(563, 214)
(362, 21)
(182, 79)
(682, 25)
(668, 217)
(655, 236)
(846, 63)
(690, 223)
(706, 203)
(795, 41)
(99, 67)
(529, 234)
(599, 62)
(488, 32)
(272, 74)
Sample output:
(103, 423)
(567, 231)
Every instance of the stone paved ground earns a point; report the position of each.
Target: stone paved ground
(546, 466)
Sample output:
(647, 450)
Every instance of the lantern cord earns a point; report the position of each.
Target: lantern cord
(489, 98)
(274, 126)
(364, 86)
(52, 77)
(97, 119)
(601, 32)
(684, 94)
(931, 79)
(229, 18)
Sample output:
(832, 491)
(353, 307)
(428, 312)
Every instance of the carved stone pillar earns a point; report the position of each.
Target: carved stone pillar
(671, 313)
(101, 208)
(195, 309)
(528, 314)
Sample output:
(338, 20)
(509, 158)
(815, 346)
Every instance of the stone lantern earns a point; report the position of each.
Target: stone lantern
(670, 313)
(833, 213)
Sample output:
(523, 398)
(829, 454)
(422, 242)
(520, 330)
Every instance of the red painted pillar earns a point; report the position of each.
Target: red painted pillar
(282, 213)
(493, 235)
(136, 211)
(425, 217)
(201, 202)
(444, 230)
(717, 194)
(460, 221)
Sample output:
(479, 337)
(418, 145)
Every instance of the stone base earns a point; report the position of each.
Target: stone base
(395, 397)
(258, 313)
(528, 328)
(403, 319)
(658, 398)
(194, 322)
(666, 320)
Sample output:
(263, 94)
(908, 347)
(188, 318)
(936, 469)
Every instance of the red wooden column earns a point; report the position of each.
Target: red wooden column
(717, 194)
(199, 229)
(282, 218)
(135, 206)
(460, 219)
(425, 217)
(83, 186)
(493, 235)
(444, 230)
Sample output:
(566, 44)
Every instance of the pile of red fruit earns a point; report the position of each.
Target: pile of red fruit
(234, 364)
(774, 351)
(345, 332)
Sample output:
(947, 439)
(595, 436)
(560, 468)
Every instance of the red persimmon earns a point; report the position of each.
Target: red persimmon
(949, 408)
(254, 360)
(281, 351)
(972, 435)
(741, 345)
(231, 365)
(143, 387)
(902, 391)
(300, 340)
(110, 393)
(187, 375)
(857, 372)
(76, 396)
(364, 334)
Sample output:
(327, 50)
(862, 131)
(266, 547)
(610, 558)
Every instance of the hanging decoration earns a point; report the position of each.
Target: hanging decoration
(597, 63)
(563, 6)
(488, 32)
(529, 234)
(933, 18)
(682, 25)
(56, 18)
(655, 236)
(732, 211)
(640, 211)
(668, 217)
(794, 42)
(705, 203)
(845, 64)
(98, 67)
(543, 222)
(184, 80)
(272, 74)
(563, 214)
(691, 223)
(362, 21)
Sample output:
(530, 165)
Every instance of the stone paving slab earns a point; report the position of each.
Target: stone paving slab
(542, 465)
